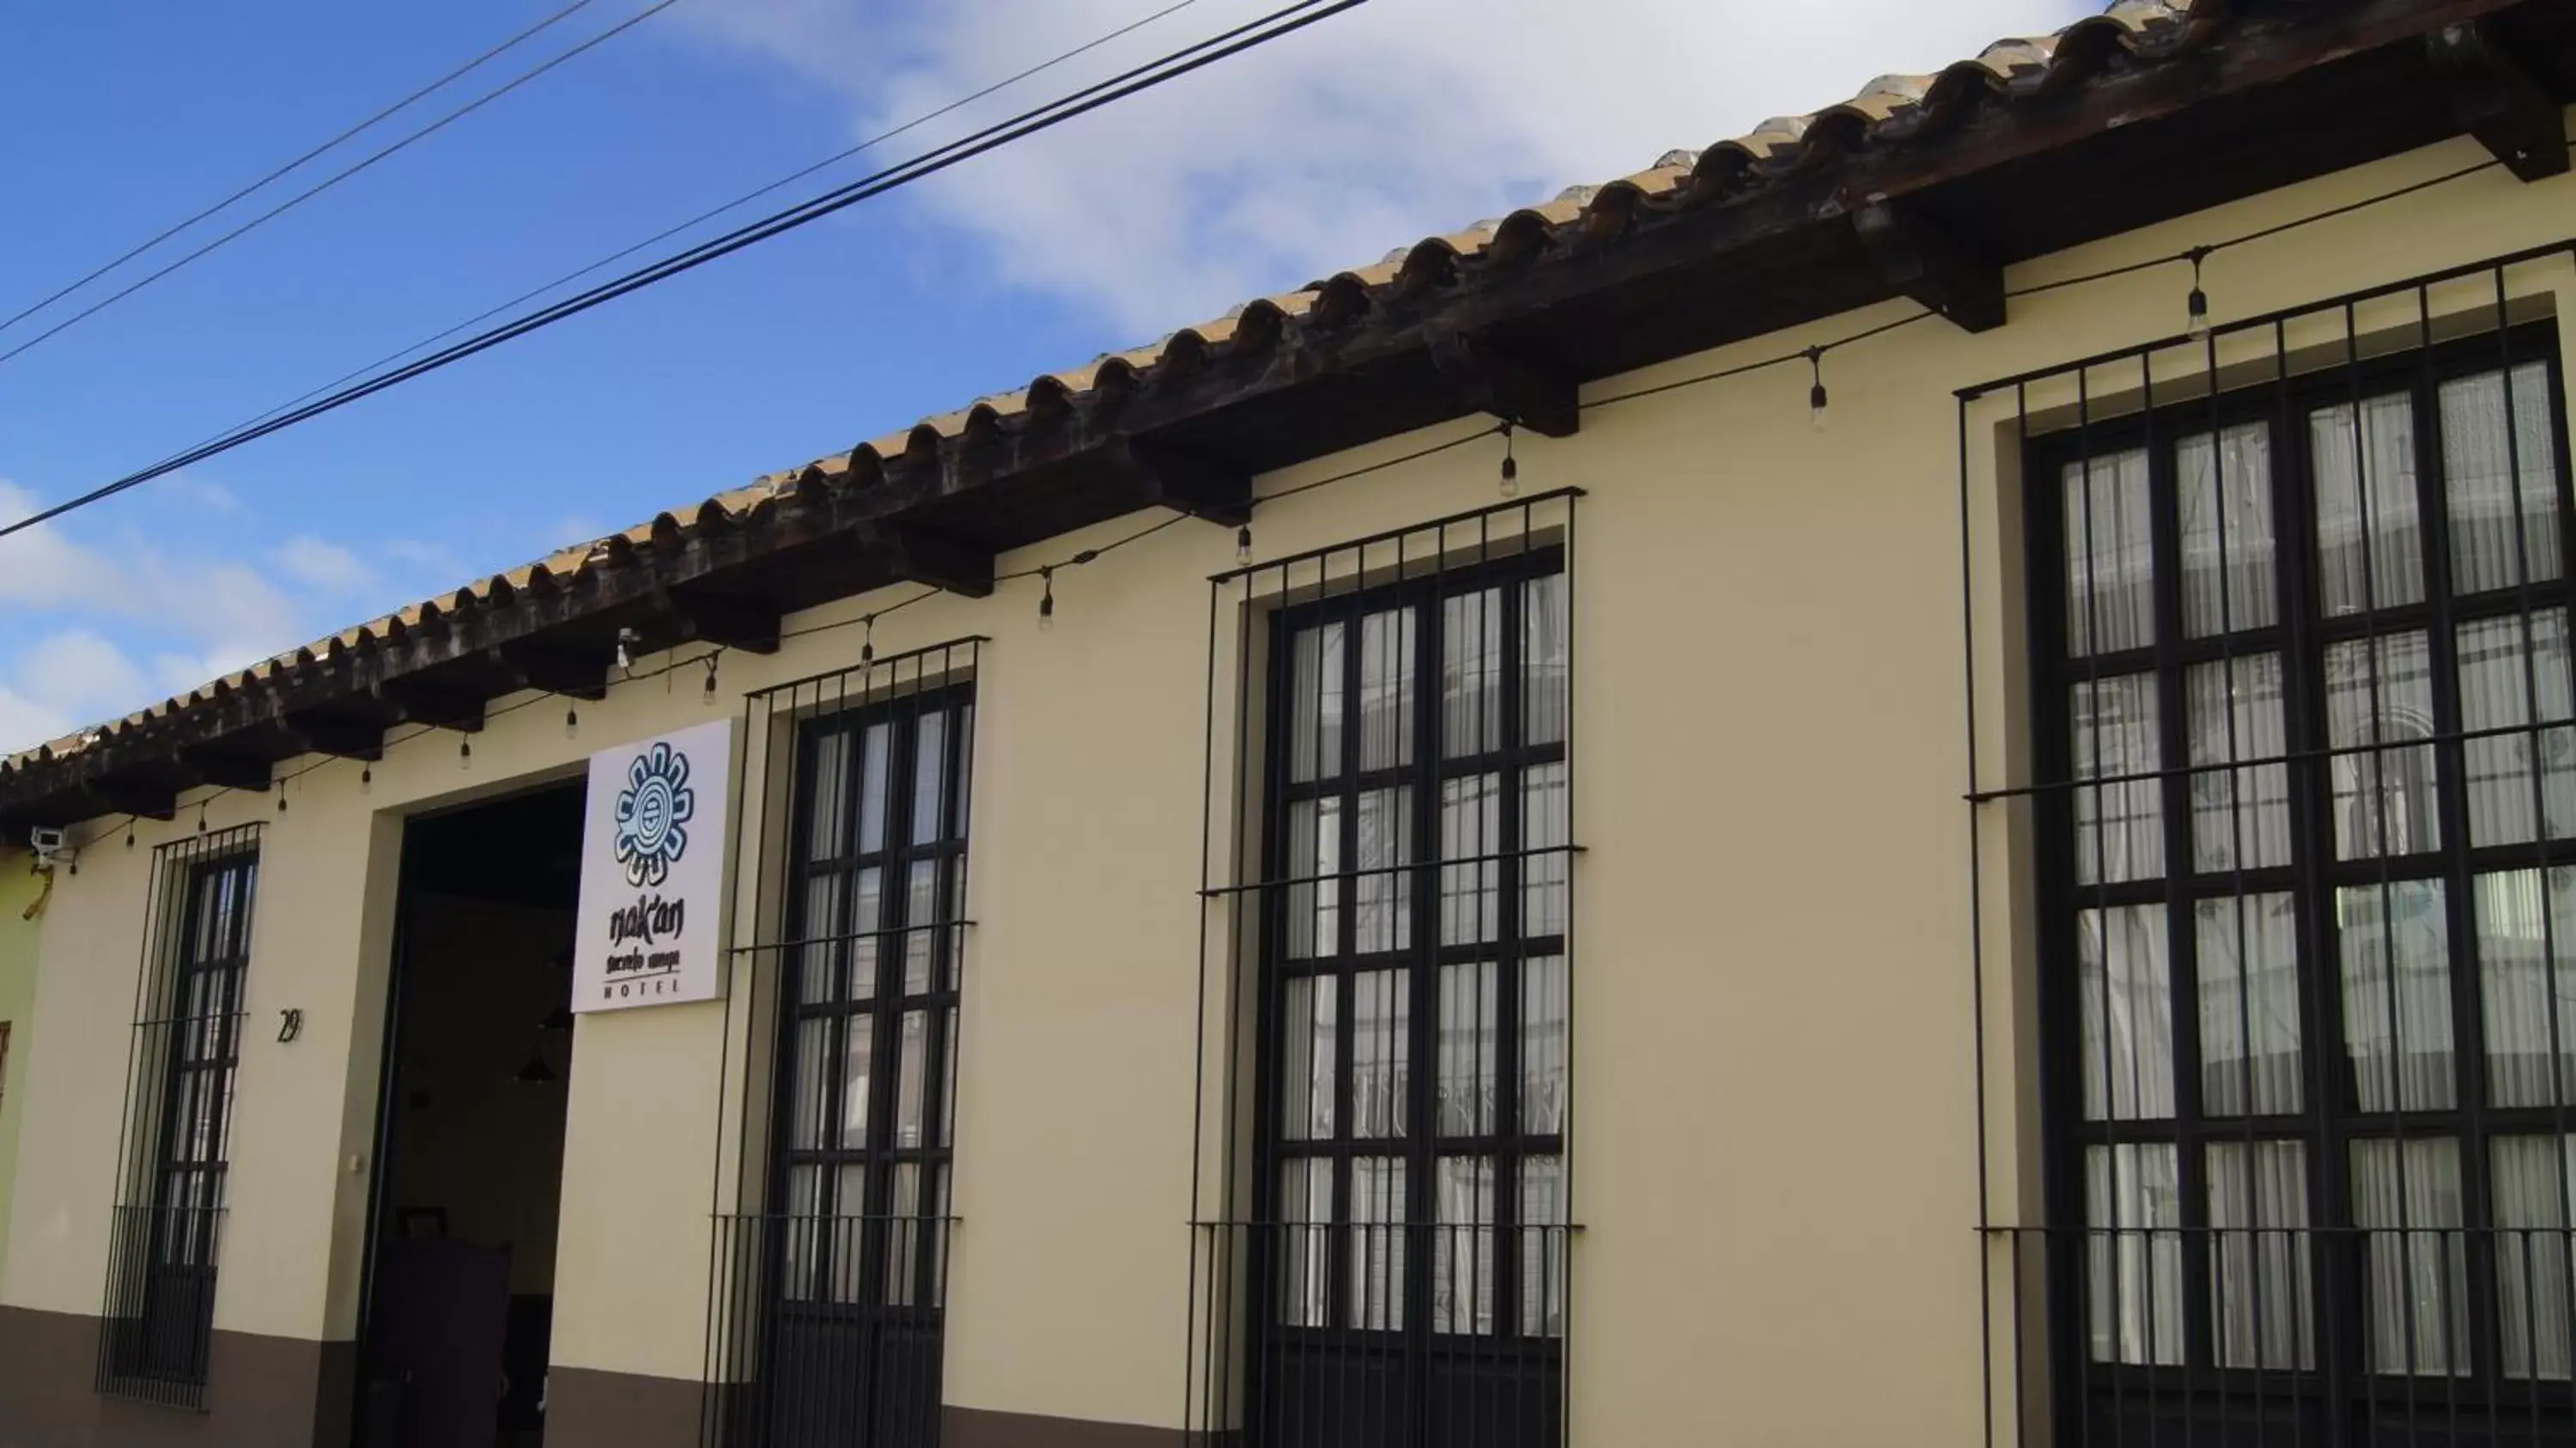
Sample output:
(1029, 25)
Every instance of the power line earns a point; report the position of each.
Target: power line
(334, 179)
(174, 229)
(1191, 58)
(746, 198)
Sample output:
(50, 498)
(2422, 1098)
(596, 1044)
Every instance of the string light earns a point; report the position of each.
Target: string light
(1511, 462)
(1243, 544)
(868, 642)
(625, 660)
(281, 799)
(1816, 388)
(129, 832)
(572, 720)
(465, 754)
(1046, 600)
(201, 817)
(366, 779)
(2199, 302)
(710, 690)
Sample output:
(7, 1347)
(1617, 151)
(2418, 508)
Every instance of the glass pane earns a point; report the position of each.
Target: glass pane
(2532, 1185)
(1387, 665)
(817, 966)
(2127, 999)
(857, 1065)
(2383, 798)
(2259, 1285)
(872, 789)
(866, 919)
(1377, 1243)
(2225, 496)
(1462, 1246)
(2119, 828)
(1382, 893)
(2133, 1254)
(1315, 710)
(828, 808)
(936, 1232)
(2110, 555)
(961, 798)
(2249, 1005)
(805, 1231)
(921, 912)
(1305, 1251)
(1545, 660)
(903, 1235)
(1311, 1033)
(2527, 978)
(1381, 1051)
(2406, 1196)
(929, 776)
(1468, 1050)
(1545, 866)
(2240, 819)
(2370, 536)
(2507, 666)
(1543, 1246)
(1471, 828)
(911, 1063)
(1543, 1046)
(1471, 673)
(2396, 994)
(846, 1231)
(813, 1062)
(948, 1083)
(2501, 536)
(1314, 853)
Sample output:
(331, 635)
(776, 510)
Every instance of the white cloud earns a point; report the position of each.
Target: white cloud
(1328, 149)
(317, 563)
(25, 723)
(81, 671)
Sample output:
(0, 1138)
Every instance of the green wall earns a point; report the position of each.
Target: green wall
(19, 888)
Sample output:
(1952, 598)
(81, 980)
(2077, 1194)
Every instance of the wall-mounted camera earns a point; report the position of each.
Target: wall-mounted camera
(51, 847)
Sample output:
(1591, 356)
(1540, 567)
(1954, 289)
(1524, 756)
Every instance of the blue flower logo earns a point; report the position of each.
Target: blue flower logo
(652, 814)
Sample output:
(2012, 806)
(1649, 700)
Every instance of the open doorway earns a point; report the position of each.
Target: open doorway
(469, 1167)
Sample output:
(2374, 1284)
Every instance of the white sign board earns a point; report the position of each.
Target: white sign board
(653, 872)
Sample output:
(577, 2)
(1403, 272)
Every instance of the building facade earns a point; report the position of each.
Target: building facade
(24, 891)
(1904, 782)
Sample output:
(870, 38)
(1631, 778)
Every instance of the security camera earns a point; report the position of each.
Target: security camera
(50, 846)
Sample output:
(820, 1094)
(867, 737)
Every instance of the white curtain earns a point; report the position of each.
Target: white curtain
(2248, 956)
(2240, 818)
(2370, 534)
(2513, 671)
(2224, 492)
(2127, 1000)
(2406, 1197)
(2527, 981)
(2110, 555)
(2259, 1262)
(2501, 536)
(2397, 994)
(2380, 693)
(2119, 828)
(2133, 1206)
(2532, 1182)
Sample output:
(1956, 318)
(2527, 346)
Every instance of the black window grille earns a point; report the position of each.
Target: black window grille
(167, 1230)
(1400, 1275)
(2302, 691)
(831, 1298)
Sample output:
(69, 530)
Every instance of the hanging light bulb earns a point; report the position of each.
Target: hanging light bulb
(201, 817)
(465, 754)
(366, 779)
(2198, 304)
(1816, 389)
(1046, 601)
(129, 832)
(625, 660)
(1243, 544)
(868, 640)
(709, 692)
(572, 720)
(1511, 464)
(281, 799)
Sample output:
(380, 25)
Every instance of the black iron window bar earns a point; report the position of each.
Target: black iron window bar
(173, 1154)
(827, 1308)
(2299, 607)
(1387, 988)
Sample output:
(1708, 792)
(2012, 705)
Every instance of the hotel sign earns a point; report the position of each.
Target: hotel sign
(653, 872)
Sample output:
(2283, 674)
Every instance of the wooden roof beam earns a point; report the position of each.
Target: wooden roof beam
(2497, 100)
(1167, 477)
(551, 670)
(414, 701)
(1519, 389)
(332, 734)
(225, 768)
(937, 560)
(1929, 263)
(736, 623)
(130, 797)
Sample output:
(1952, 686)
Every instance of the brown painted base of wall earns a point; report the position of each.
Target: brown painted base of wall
(983, 1428)
(586, 1408)
(260, 1391)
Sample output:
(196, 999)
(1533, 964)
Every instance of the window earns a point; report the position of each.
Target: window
(829, 1330)
(1413, 983)
(2313, 969)
(168, 1226)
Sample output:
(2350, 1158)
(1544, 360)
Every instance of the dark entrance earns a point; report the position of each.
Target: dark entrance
(469, 1160)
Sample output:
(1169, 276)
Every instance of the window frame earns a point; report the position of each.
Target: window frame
(2329, 1121)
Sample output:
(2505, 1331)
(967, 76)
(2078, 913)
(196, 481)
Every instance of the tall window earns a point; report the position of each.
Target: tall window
(866, 1069)
(187, 1049)
(2313, 970)
(1414, 1007)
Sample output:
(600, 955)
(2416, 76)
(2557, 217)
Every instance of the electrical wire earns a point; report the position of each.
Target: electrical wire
(176, 227)
(1190, 59)
(335, 178)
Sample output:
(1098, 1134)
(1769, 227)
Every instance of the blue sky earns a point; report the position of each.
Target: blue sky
(1401, 119)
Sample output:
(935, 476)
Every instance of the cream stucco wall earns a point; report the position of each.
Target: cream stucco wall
(22, 887)
(1776, 1143)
